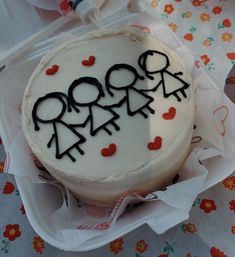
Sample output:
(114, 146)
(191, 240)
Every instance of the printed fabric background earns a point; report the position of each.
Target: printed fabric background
(207, 27)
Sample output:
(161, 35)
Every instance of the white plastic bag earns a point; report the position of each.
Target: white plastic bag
(68, 224)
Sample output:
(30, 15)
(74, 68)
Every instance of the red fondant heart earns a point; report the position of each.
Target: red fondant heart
(89, 62)
(52, 70)
(170, 114)
(111, 150)
(156, 144)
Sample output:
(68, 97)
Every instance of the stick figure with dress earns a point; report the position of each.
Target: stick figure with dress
(132, 94)
(99, 116)
(73, 138)
(161, 63)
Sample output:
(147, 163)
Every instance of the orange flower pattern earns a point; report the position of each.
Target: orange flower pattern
(217, 10)
(204, 17)
(187, 14)
(12, 231)
(207, 42)
(205, 59)
(226, 23)
(208, 14)
(9, 188)
(154, 3)
(227, 37)
(208, 205)
(198, 2)
(141, 246)
(116, 246)
(229, 183)
(168, 8)
(173, 26)
(38, 244)
(191, 228)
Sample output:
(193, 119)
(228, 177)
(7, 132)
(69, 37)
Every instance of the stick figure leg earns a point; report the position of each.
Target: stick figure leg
(115, 126)
(79, 150)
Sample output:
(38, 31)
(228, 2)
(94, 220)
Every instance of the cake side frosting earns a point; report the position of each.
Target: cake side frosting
(103, 110)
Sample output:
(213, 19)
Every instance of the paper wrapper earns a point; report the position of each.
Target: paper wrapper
(69, 224)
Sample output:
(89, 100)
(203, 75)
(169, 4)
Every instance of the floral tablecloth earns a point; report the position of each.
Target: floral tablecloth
(208, 28)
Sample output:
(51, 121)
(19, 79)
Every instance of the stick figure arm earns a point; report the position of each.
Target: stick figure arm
(152, 89)
(119, 104)
(82, 125)
(178, 73)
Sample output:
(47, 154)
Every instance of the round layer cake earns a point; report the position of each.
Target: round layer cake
(110, 112)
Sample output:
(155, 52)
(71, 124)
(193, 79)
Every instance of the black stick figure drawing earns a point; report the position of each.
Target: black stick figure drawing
(161, 63)
(136, 100)
(74, 139)
(99, 116)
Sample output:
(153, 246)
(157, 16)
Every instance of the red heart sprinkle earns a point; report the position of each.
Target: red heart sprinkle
(111, 150)
(156, 145)
(89, 62)
(52, 70)
(170, 114)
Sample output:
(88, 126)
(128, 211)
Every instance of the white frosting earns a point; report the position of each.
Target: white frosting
(133, 166)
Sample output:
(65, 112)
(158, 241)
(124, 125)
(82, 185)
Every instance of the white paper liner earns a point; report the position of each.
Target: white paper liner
(211, 159)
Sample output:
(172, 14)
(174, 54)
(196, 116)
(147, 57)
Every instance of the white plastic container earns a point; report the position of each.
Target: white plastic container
(19, 20)
(43, 200)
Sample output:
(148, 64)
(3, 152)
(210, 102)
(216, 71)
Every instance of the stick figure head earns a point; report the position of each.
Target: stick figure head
(85, 91)
(115, 80)
(152, 62)
(49, 108)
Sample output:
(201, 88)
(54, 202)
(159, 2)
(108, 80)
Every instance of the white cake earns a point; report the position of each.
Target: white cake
(110, 112)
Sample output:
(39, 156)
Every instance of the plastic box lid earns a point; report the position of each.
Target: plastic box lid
(19, 20)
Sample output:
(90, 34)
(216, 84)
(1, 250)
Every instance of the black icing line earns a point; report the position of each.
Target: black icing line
(118, 67)
(74, 103)
(140, 110)
(142, 62)
(60, 154)
(68, 101)
(55, 122)
(127, 89)
(186, 85)
(88, 80)
(93, 131)
(56, 95)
